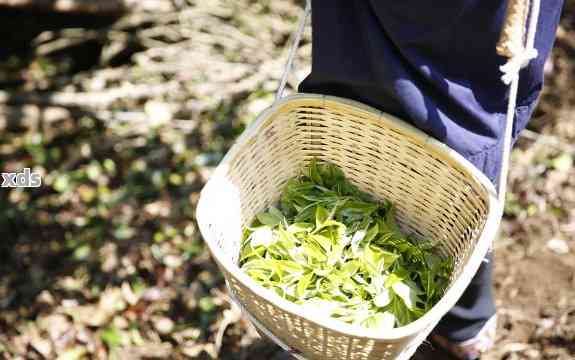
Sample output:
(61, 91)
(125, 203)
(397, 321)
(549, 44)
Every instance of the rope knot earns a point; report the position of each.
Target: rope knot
(516, 63)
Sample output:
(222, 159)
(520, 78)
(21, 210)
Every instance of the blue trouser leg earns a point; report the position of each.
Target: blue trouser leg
(475, 307)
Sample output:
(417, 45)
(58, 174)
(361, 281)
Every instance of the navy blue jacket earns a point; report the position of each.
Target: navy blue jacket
(432, 63)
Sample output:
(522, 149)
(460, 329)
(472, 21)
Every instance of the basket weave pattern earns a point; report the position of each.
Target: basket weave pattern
(437, 195)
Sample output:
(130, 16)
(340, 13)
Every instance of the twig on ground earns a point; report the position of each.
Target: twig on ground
(98, 100)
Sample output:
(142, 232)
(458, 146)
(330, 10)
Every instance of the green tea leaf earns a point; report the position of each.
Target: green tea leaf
(321, 216)
(350, 268)
(314, 172)
(263, 236)
(407, 292)
(268, 218)
(382, 299)
(380, 321)
(313, 250)
(300, 227)
(303, 284)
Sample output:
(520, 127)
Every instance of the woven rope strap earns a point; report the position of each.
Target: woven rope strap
(511, 39)
(293, 49)
(518, 57)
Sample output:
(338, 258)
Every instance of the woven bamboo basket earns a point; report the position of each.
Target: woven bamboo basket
(438, 196)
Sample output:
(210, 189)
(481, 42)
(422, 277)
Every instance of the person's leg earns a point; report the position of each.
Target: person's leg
(436, 68)
(468, 329)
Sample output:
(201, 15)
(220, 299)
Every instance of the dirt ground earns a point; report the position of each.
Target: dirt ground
(126, 117)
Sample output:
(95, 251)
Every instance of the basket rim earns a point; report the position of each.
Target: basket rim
(451, 296)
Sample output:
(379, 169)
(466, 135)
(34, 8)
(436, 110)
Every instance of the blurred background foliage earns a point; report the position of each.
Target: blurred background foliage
(125, 108)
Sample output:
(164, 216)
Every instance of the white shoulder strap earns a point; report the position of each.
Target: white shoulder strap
(293, 49)
(518, 11)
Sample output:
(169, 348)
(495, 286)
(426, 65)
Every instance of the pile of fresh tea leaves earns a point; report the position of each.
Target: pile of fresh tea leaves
(333, 249)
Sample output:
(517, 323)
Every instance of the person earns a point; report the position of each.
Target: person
(434, 63)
